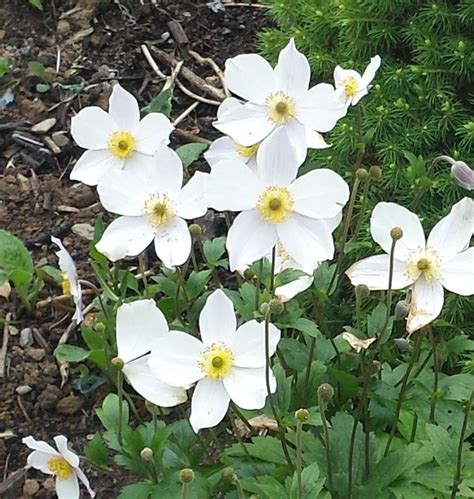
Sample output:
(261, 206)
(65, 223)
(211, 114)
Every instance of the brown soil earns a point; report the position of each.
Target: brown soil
(93, 47)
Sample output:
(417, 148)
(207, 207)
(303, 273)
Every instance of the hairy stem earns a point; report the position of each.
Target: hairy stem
(120, 407)
(322, 412)
(436, 369)
(299, 458)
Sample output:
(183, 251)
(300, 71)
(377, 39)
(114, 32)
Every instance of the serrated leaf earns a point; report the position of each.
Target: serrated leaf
(37, 3)
(189, 153)
(71, 353)
(96, 451)
(213, 250)
(312, 482)
(140, 490)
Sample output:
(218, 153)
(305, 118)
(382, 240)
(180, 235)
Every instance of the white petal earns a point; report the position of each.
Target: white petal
(139, 325)
(358, 96)
(94, 165)
(69, 456)
(321, 193)
(66, 263)
(174, 359)
(249, 344)
(221, 149)
(315, 140)
(139, 164)
(40, 446)
(209, 404)
(39, 461)
(276, 159)
(173, 242)
(374, 273)
(153, 130)
(233, 186)
(298, 134)
(452, 233)
(385, 217)
(92, 127)
(320, 109)
(139, 374)
(217, 322)
(191, 202)
(305, 246)
(370, 70)
(227, 105)
(82, 477)
(249, 239)
(341, 74)
(123, 107)
(458, 273)
(291, 289)
(247, 387)
(69, 488)
(426, 303)
(292, 73)
(247, 124)
(125, 236)
(249, 76)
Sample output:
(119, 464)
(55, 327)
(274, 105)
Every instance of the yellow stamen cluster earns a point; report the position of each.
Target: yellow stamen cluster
(65, 284)
(275, 205)
(60, 468)
(216, 361)
(246, 151)
(159, 209)
(351, 86)
(426, 263)
(121, 144)
(280, 108)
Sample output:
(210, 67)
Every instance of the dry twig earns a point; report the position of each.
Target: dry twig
(3, 353)
(214, 66)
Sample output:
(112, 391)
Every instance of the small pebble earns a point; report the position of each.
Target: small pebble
(44, 126)
(31, 487)
(23, 389)
(26, 337)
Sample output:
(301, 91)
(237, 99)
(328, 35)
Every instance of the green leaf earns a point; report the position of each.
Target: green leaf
(307, 326)
(283, 393)
(37, 3)
(160, 104)
(213, 250)
(52, 272)
(444, 447)
(71, 353)
(15, 259)
(42, 87)
(196, 283)
(4, 66)
(140, 490)
(37, 69)
(109, 412)
(312, 482)
(189, 153)
(96, 451)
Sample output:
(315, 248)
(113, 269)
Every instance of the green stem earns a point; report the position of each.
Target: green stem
(272, 274)
(142, 268)
(240, 490)
(240, 440)
(299, 458)
(389, 288)
(312, 348)
(184, 491)
(120, 408)
(436, 369)
(258, 284)
(322, 412)
(361, 218)
(413, 428)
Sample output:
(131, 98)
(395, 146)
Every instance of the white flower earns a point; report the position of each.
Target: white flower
(228, 364)
(62, 463)
(116, 139)
(140, 325)
(70, 283)
(275, 206)
(154, 206)
(351, 86)
(442, 261)
(279, 98)
(356, 343)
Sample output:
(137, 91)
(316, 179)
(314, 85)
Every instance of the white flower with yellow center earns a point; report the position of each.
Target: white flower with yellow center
(70, 283)
(427, 266)
(140, 325)
(61, 463)
(154, 206)
(351, 86)
(228, 364)
(117, 139)
(278, 97)
(276, 205)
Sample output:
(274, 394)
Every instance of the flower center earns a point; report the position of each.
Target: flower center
(216, 360)
(65, 284)
(246, 151)
(60, 468)
(280, 108)
(351, 87)
(275, 205)
(426, 263)
(159, 209)
(121, 144)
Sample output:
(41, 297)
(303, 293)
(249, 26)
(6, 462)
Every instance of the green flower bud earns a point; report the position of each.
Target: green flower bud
(229, 474)
(117, 362)
(401, 310)
(186, 475)
(264, 308)
(396, 233)
(276, 306)
(100, 327)
(249, 275)
(195, 230)
(375, 172)
(146, 454)
(402, 343)
(326, 391)
(361, 173)
(362, 291)
(302, 415)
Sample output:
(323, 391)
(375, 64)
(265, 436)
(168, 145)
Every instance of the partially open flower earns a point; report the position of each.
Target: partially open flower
(117, 139)
(70, 283)
(61, 463)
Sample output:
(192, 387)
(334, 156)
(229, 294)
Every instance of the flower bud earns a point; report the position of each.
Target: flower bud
(362, 291)
(375, 172)
(302, 415)
(402, 343)
(229, 474)
(249, 275)
(146, 454)
(186, 475)
(264, 308)
(463, 175)
(326, 391)
(396, 233)
(100, 327)
(401, 310)
(195, 230)
(117, 362)
(276, 306)
(361, 173)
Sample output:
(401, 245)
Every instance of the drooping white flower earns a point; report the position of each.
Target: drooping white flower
(116, 139)
(140, 325)
(228, 363)
(278, 97)
(70, 282)
(351, 86)
(61, 463)
(441, 261)
(277, 206)
(356, 343)
(154, 206)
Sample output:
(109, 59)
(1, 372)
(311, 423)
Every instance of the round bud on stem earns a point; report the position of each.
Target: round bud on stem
(302, 415)
(362, 291)
(375, 172)
(361, 173)
(264, 308)
(326, 391)
(402, 343)
(229, 474)
(117, 362)
(401, 310)
(396, 233)
(146, 454)
(100, 327)
(276, 306)
(186, 475)
(249, 275)
(195, 230)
